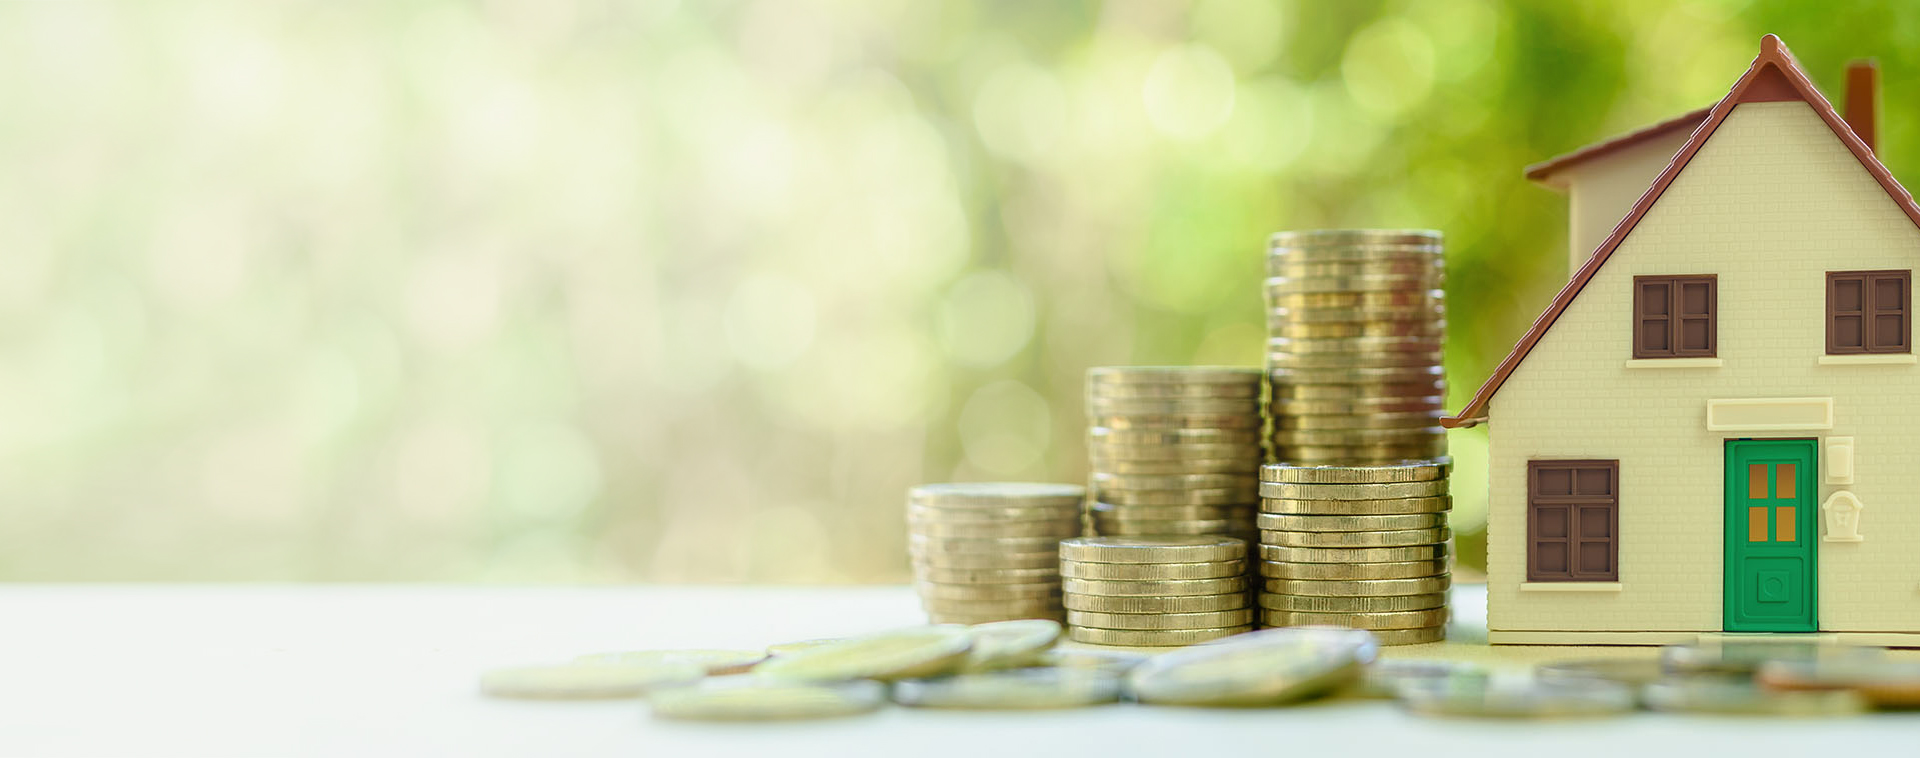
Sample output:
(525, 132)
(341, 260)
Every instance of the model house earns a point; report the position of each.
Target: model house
(1715, 426)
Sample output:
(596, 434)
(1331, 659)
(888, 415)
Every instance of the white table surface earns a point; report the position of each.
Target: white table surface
(390, 670)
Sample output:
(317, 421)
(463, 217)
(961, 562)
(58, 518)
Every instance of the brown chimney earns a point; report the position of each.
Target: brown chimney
(1863, 101)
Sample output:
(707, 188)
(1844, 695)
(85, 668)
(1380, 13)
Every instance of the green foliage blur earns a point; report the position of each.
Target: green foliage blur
(600, 291)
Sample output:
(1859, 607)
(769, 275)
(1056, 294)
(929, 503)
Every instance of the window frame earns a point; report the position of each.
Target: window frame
(1867, 312)
(1573, 504)
(1675, 320)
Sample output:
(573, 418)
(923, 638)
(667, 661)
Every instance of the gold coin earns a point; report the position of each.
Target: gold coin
(1159, 638)
(1249, 420)
(1409, 295)
(1434, 327)
(1344, 346)
(1379, 620)
(1423, 471)
(1366, 376)
(1282, 522)
(1157, 437)
(1375, 604)
(989, 591)
(1350, 460)
(1291, 408)
(1171, 374)
(1010, 644)
(1349, 422)
(1282, 286)
(1175, 466)
(946, 545)
(1225, 601)
(1352, 362)
(1352, 571)
(1110, 452)
(992, 515)
(1098, 406)
(994, 494)
(1155, 587)
(1381, 507)
(1153, 571)
(1392, 538)
(784, 648)
(1285, 437)
(1428, 266)
(1432, 311)
(1207, 496)
(899, 654)
(1429, 488)
(1284, 392)
(585, 681)
(1150, 621)
(1245, 389)
(1015, 689)
(1134, 550)
(1344, 240)
(989, 560)
(1360, 587)
(1264, 668)
(1417, 636)
(986, 576)
(1171, 512)
(1354, 554)
(755, 699)
(983, 530)
(1105, 483)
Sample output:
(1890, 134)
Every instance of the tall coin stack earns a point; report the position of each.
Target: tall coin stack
(1174, 450)
(1363, 547)
(989, 551)
(1154, 591)
(1355, 320)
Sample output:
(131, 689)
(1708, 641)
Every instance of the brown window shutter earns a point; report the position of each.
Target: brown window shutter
(1573, 521)
(1675, 316)
(1869, 312)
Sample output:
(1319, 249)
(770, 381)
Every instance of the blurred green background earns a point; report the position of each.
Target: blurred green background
(584, 291)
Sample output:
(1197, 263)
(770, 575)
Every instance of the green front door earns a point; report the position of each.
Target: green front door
(1772, 581)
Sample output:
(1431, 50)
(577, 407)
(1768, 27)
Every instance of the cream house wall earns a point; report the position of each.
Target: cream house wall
(1770, 204)
(1600, 191)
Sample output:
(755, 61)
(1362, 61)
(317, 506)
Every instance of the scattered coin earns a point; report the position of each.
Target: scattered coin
(1883, 683)
(1636, 672)
(1495, 696)
(1746, 657)
(1017, 689)
(1263, 668)
(749, 698)
(713, 662)
(900, 654)
(785, 648)
(1111, 661)
(581, 681)
(1383, 678)
(1010, 644)
(1728, 696)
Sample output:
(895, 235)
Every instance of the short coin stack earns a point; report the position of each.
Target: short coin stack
(1363, 547)
(1355, 323)
(1173, 450)
(989, 551)
(1154, 591)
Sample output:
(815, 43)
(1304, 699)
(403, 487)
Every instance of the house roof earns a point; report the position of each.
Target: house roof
(1544, 171)
(1774, 76)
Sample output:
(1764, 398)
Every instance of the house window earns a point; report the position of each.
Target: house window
(1573, 521)
(1675, 316)
(1867, 312)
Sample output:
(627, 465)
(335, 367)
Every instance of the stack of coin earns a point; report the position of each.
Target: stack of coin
(1173, 450)
(1355, 320)
(1363, 547)
(1154, 591)
(989, 551)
